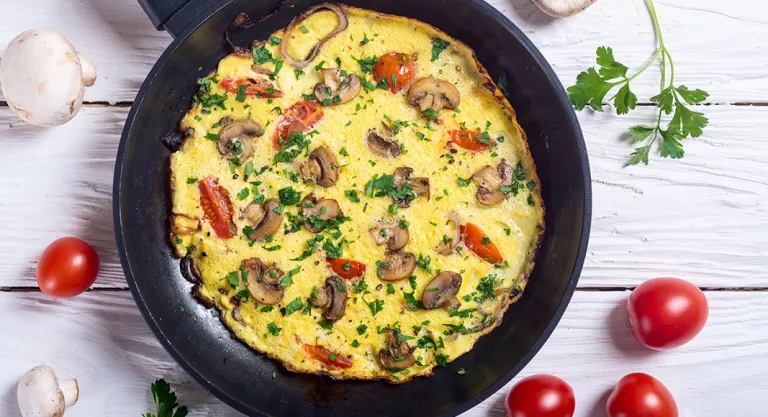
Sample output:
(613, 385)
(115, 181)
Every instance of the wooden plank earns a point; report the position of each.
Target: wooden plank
(100, 339)
(702, 217)
(714, 43)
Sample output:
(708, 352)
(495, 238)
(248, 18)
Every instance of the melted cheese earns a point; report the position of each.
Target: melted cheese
(514, 226)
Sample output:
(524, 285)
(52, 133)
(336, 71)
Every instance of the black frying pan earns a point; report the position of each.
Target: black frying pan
(243, 378)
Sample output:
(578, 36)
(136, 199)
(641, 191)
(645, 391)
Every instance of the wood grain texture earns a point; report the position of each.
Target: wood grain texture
(706, 37)
(703, 218)
(100, 339)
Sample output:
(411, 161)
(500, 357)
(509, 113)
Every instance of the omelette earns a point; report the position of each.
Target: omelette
(355, 196)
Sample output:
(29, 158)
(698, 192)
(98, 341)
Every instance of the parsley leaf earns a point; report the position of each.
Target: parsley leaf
(165, 400)
(593, 85)
(438, 46)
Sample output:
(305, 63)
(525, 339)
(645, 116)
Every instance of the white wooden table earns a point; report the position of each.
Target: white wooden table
(703, 218)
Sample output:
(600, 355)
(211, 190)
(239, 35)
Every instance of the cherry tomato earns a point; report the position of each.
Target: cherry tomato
(640, 395)
(665, 313)
(541, 396)
(67, 267)
(217, 207)
(479, 243)
(322, 354)
(467, 139)
(347, 268)
(300, 117)
(396, 69)
(254, 87)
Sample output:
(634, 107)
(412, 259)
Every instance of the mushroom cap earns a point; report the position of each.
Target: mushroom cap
(40, 395)
(43, 78)
(236, 138)
(563, 8)
(321, 167)
(263, 219)
(434, 93)
(441, 290)
(396, 266)
(337, 290)
(381, 145)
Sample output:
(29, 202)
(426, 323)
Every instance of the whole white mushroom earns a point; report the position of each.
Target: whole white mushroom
(41, 395)
(43, 77)
(563, 8)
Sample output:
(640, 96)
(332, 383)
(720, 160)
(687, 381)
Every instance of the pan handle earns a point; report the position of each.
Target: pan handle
(175, 16)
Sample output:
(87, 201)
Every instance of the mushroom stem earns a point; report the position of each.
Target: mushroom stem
(89, 71)
(71, 391)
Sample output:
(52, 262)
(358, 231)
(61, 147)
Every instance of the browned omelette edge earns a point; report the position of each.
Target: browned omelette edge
(532, 252)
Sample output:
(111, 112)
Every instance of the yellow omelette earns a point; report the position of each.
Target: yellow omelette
(355, 196)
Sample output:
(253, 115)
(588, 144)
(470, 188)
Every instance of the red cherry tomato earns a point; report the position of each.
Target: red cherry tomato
(665, 313)
(67, 267)
(479, 243)
(254, 87)
(217, 207)
(300, 117)
(467, 139)
(322, 354)
(541, 396)
(347, 268)
(640, 395)
(396, 69)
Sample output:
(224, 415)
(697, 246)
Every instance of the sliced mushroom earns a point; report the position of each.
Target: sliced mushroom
(322, 167)
(396, 266)
(182, 225)
(263, 219)
(265, 293)
(236, 139)
(396, 354)
(260, 272)
(442, 290)
(419, 186)
(317, 212)
(395, 237)
(446, 248)
(337, 89)
(343, 23)
(332, 297)
(381, 145)
(489, 182)
(433, 93)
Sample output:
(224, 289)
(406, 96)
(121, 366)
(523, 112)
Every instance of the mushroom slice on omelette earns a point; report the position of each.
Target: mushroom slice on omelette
(356, 196)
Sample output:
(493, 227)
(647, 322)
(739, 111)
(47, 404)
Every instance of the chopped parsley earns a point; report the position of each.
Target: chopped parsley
(273, 329)
(430, 114)
(361, 329)
(289, 196)
(352, 196)
(293, 307)
(438, 46)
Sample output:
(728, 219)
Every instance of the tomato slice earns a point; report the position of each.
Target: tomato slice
(473, 237)
(322, 354)
(347, 268)
(255, 87)
(396, 68)
(300, 117)
(467, 139)
(217, 207)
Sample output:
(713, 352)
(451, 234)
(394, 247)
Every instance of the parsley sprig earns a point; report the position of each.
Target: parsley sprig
(593, 85)
(165, 399)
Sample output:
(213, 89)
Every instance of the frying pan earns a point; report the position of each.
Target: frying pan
(258, 386)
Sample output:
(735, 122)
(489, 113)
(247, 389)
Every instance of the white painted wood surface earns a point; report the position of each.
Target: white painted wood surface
(703, 218)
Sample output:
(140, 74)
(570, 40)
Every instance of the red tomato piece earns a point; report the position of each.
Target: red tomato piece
(541, 396)
(467, 139)
(347, 268)
(300, 117)
(640, 395)
(254, 87)
(67, 267)
(322, 354)
(665, 313)
(479, 243)
(217, 207)
(396, 69)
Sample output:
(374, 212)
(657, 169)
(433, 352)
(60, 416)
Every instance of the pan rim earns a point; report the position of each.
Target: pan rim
(557, 314)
